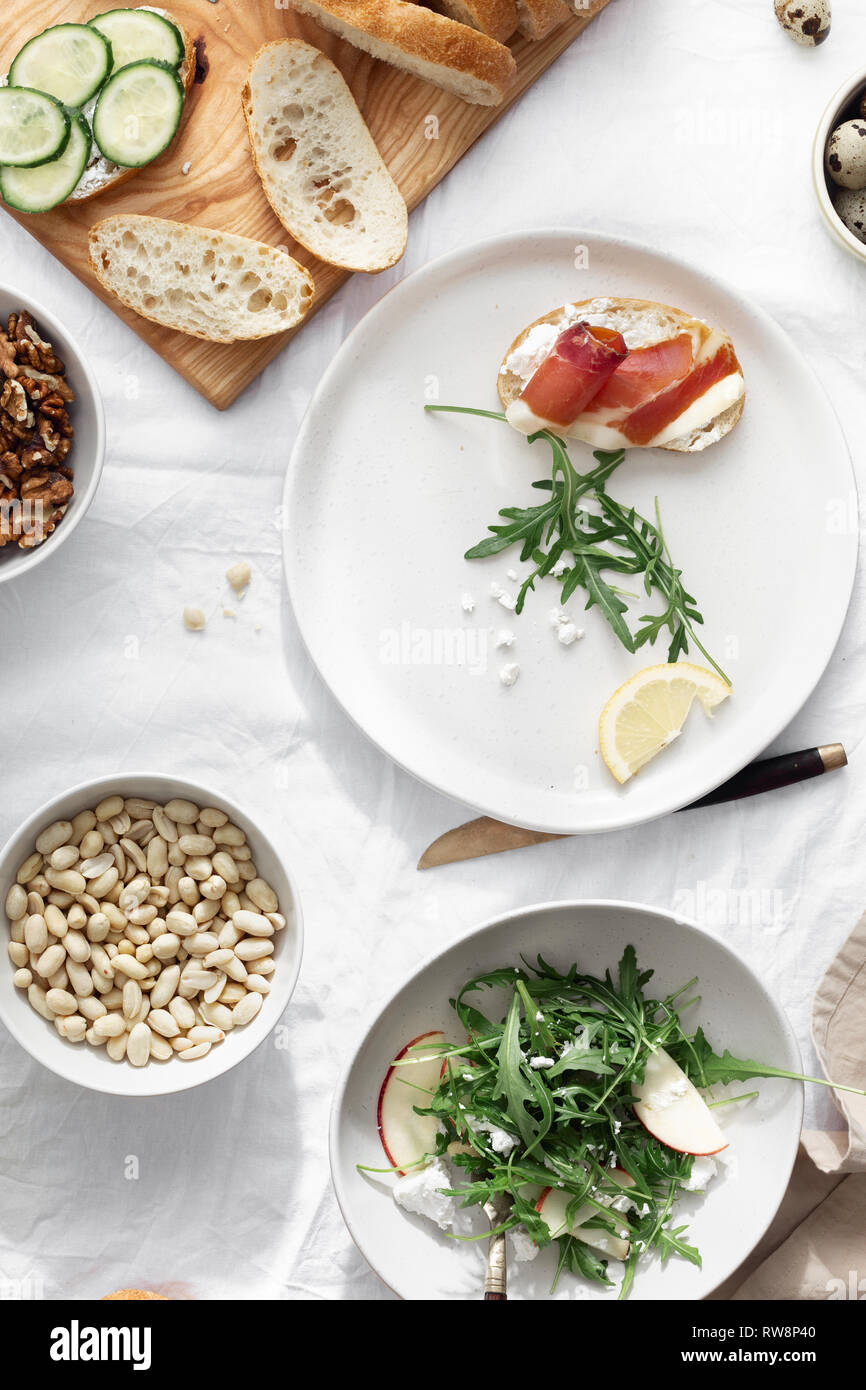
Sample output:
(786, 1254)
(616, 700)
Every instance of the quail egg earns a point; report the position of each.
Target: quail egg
(846, 155)
(850, 204)
(805, 21)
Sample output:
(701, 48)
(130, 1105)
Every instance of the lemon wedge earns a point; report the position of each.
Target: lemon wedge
(647, 713)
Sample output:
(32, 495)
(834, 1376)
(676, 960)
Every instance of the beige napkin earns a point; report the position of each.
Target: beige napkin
(816, 1246)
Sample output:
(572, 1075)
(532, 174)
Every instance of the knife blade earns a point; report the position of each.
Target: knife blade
(484, 835)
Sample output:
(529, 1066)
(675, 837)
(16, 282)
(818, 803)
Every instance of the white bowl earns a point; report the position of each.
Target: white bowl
(840, 108)
(88, 448)
(419, 1261)
(91, 1066)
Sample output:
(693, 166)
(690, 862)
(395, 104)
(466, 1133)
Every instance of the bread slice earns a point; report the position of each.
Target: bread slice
(537, 18)
(209, 284)
(100, 173)
(317, 161)
(498, 18)
(641, 322)
(460, 60)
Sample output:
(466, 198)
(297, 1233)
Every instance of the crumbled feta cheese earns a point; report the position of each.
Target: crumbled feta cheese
(540, 1063)
(539, 1017)
(502, 597)
(500, 1140)
(467, 603)
(525, 360)
(523, 1247)
(567, 633)
(661, 1100)
(703, 1171)
(509, 674)
(563, 563)
(417, 1193)
(185, 168)
(511, 574)
(504, 638)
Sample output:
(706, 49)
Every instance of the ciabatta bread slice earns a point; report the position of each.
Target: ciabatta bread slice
(537, 18)
(209, 284)
(100, 174)
(317, 161)
(459, 60)
(498, 18)
(643, 323)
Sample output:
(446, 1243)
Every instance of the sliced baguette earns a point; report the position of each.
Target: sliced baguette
(459, 60)
(641, 321)
(209, 284)
(498, 18)
(317, 161)
(537, 18)
(101, 174)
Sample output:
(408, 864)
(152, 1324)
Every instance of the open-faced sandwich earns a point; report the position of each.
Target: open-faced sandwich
(623, 373)
(85, 106)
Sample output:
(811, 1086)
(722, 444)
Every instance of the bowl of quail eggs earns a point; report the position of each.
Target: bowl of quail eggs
(839, 166)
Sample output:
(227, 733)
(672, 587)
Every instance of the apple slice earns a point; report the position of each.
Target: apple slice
(552, 1207)
(669, 1106)
(407, 1137)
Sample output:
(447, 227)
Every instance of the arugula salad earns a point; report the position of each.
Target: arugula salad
(581, 1107)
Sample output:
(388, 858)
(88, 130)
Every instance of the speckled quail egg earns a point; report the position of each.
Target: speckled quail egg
(846, 155)
(850, 204)
(805, 21)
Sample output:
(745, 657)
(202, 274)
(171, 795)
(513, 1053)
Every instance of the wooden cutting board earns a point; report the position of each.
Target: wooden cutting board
(421, 131)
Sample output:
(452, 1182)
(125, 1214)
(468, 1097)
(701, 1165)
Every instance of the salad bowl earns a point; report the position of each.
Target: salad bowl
(420, 1261)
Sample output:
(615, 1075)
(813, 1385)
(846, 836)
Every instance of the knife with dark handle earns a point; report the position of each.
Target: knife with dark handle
(484, 836)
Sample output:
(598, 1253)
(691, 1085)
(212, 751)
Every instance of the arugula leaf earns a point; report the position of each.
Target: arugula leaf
(712, 1070)
(519, 1088)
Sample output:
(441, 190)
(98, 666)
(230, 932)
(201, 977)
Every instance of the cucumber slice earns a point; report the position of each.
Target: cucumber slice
(69, 62)
(33, 127)
(138, 113)
(135, 35)
(42, 188)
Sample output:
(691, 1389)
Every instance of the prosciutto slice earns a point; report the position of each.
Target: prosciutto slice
(644, 373)
(582, 360)
(647, 422)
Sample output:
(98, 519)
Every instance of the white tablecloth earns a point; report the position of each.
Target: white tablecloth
(686, 125)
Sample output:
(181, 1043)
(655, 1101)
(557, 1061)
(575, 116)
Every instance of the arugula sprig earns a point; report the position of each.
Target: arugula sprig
(564, 537)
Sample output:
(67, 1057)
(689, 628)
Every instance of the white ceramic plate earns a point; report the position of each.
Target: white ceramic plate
(420, 1262)
(383, 501)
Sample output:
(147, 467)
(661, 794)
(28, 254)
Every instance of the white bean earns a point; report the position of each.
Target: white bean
(60, 1001)
(164, 1023)
(246, 1010)
(253, 923)
(53, 836)
(36, 933)
(251, 949)
(263, 895)
(138, 1045)
(16, 902)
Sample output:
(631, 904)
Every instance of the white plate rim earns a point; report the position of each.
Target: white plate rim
(829, 635)
(489, 925)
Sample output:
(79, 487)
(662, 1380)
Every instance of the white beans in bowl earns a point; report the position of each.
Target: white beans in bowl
(143, 928)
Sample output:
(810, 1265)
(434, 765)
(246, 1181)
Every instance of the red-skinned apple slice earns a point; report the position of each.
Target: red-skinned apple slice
(669, 1106)
(552, 1207)
(407, 1137)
